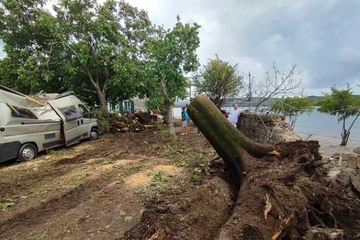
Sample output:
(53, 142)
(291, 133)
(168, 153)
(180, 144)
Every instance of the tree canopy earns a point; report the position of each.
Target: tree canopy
(103, 52)
(172, 54)
(219, 80)
(341, 103)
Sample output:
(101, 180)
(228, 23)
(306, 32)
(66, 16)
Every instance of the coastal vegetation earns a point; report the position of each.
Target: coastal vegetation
(219, 80)
(343, 104)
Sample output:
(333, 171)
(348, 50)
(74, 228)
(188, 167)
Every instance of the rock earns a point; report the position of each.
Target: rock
(327, 233)
(344, 178)
(355, 181)
(333, 173)
(357, 150)
(352, 161)
(336, 156)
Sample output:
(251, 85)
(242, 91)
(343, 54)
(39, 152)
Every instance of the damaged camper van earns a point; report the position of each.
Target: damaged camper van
(28, 126)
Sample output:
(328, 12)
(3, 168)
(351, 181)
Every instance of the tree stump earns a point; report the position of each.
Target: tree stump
(143, 117)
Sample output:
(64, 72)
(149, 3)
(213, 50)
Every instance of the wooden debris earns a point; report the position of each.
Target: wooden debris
(160, 234)
(144, 118)
(268, 206)
(129, 123)
(283, 225)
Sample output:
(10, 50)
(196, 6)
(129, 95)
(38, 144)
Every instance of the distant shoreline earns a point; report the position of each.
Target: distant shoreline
(330, 145)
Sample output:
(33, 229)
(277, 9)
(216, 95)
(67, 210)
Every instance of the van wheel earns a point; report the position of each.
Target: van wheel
(27, 152)
(94, 134)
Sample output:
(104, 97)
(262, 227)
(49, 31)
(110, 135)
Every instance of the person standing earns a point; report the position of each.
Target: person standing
(233, 114)
(184, 120)
(151, 114)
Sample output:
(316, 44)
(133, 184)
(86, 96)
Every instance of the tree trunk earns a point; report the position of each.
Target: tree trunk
(344, 134)
(283, 193)
(226, 139)
(169, 117)
(101, 93)
(344, 137)
(102, 100)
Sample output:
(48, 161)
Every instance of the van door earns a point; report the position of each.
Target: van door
(71, 118)
(86, 120)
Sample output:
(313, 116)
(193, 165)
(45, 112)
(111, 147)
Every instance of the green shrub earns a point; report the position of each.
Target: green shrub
(102, 120)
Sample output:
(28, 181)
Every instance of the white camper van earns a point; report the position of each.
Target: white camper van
(28, 126)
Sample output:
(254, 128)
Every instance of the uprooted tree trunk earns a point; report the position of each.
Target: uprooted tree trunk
(283, 193)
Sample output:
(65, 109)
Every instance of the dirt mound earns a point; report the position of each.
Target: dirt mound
(139, 185)
(292, 199)
(192, 213)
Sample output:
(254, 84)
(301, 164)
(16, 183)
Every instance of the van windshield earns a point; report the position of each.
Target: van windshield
(70, 112)
(17, 111)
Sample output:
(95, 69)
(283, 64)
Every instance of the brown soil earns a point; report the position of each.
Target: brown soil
(150, 184)
(104, 189)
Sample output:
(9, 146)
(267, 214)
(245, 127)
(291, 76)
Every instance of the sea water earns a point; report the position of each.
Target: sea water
(326, 125)
(316, 123)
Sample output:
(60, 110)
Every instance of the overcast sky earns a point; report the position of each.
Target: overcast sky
(322, 36)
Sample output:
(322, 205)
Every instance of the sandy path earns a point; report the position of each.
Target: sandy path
(330, 145)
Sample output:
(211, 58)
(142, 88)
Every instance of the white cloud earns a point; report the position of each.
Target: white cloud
(273, 43)
(2, 53)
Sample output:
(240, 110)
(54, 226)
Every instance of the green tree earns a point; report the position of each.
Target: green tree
(96, 50)
(172, 54)
(292, 107)
(342, 104)
(219, 80)
(24, 28)
(105, 44)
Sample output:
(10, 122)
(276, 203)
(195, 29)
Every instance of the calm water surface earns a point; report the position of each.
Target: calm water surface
(316, 123)
(326, 125)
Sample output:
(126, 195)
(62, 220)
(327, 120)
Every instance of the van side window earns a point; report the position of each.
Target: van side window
(22, 112)
(83, 110)
(70, 112)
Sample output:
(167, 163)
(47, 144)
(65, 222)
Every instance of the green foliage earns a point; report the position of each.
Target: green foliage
(106, 43)
(127, 218)
(291, 107)
(25, 30)
(171, 150)
(96, 50)
(159, 126)
(198, 162)
(195, 175)
(159, 176)
(172, 54)
(81, 177)
(159, 180)
(102, 120)
(341, 103)
(43, 235)
(7, 203)
(219, 80)
(102, 52)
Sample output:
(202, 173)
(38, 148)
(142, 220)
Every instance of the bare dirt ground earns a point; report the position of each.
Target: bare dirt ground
(121, 186)
(150, 185)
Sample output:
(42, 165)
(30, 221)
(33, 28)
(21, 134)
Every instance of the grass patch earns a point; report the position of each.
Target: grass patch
(81, 176)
